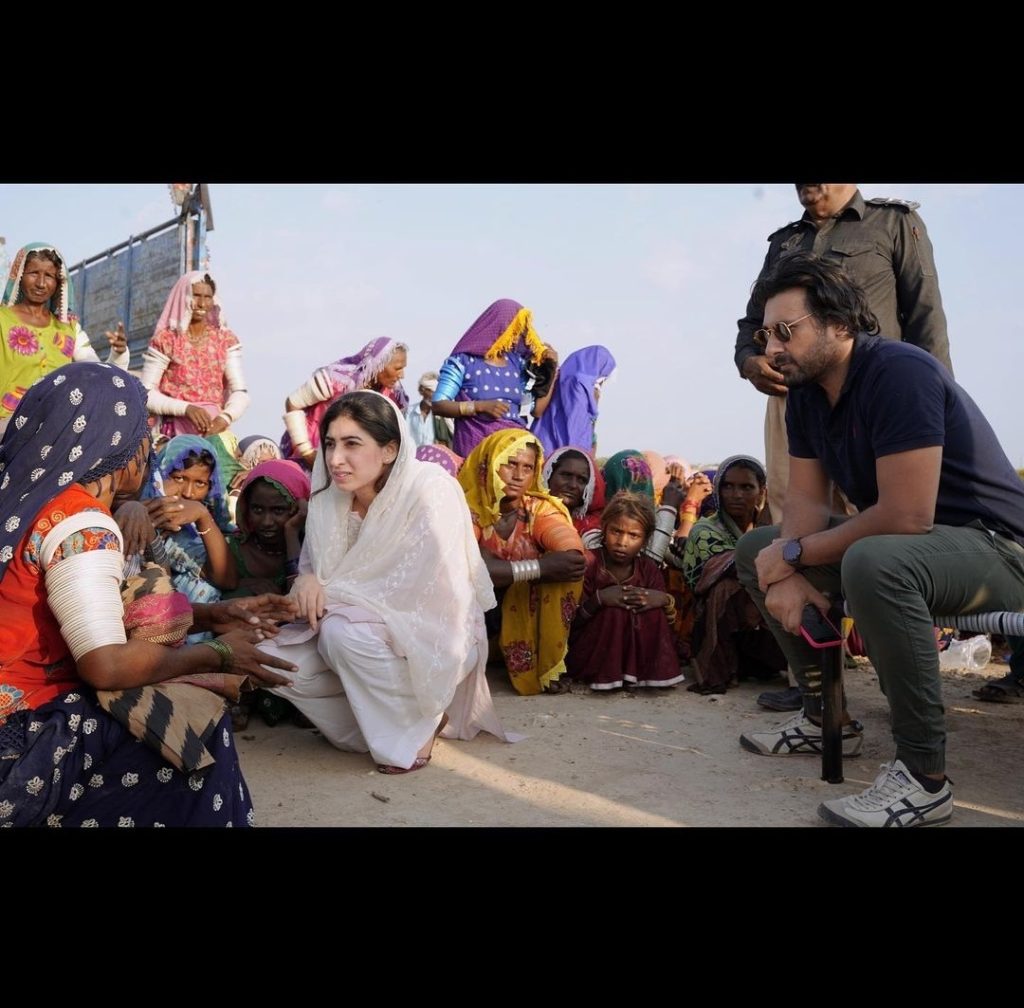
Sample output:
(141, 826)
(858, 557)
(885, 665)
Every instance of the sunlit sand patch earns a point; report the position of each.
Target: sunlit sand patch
(665, 745)
(988, 810)
(548, 794)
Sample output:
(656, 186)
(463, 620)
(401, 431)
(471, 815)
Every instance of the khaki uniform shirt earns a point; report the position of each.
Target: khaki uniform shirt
(883, 245)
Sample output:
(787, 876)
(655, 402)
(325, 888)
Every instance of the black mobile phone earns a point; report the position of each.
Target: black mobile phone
(817, 630)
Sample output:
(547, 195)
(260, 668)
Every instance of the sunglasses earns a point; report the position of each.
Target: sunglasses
(783, 330)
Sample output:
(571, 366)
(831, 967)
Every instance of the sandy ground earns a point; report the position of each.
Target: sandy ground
(654, 758)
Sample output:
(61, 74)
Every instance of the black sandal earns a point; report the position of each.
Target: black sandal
(1009, 689)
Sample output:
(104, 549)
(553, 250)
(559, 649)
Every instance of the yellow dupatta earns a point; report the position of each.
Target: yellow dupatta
(535, 615)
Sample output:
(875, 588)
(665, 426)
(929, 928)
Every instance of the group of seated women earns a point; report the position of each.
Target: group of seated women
(368, 592)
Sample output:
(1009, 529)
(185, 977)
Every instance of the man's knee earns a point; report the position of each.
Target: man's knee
(865, 563)
(747, 549)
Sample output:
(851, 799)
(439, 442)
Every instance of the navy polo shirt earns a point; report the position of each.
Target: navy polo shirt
(896, 398)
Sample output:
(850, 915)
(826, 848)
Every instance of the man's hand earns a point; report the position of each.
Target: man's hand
(785, 600)
(771, 568)
(763, 376)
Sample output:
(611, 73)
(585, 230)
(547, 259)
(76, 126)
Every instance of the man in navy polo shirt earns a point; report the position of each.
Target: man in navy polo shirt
(940, 528)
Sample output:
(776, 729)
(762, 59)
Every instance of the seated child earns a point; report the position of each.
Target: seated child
(191, 520)
(620, 635)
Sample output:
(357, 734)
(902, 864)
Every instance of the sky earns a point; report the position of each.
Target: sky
(658, 273)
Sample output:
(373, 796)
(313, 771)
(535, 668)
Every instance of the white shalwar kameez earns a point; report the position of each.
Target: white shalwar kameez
(403, 638)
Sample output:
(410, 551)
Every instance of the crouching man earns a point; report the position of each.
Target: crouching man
(939, 531)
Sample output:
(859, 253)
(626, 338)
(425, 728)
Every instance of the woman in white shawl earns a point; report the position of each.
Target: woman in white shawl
(393, 588)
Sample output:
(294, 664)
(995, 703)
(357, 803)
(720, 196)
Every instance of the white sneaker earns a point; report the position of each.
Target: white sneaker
(895, 799)
(799, 736)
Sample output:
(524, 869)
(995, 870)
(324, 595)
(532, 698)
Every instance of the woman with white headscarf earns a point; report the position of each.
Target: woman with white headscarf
(192, 368)
(393, 588)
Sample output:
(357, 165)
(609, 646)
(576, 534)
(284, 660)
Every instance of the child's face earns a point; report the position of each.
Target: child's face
(268, 512)
(623, 538)
(192, 483)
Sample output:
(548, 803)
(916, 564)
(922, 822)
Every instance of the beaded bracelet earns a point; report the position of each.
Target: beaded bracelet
(224, 650)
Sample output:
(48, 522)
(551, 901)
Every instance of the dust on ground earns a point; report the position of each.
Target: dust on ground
(663, 757)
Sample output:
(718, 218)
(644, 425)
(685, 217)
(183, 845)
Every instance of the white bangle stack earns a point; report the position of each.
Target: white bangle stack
(525, 570)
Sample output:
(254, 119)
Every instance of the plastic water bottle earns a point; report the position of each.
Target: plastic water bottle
(970, 655)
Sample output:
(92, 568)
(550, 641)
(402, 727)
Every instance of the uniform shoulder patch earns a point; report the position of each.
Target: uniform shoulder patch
(791, 226)
(901, 204)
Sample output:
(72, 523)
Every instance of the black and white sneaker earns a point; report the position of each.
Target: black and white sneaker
(800, 736)
(895, 799)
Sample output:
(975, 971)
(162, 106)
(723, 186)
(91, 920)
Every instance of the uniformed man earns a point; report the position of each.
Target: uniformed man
(882, 244)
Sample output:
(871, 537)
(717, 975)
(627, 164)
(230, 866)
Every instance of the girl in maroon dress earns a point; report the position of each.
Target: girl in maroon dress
(620, 636)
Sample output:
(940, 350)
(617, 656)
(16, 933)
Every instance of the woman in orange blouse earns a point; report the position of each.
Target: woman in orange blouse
(533, 554)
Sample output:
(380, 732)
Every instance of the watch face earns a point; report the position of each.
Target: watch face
(792, 551)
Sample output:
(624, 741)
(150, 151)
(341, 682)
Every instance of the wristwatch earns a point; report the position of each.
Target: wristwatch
(792, 552)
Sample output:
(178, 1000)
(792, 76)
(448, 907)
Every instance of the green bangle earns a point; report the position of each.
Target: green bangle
(225, 652)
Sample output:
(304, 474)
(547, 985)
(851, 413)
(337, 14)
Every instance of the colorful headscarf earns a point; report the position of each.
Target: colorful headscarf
(628, 470)
(572, 411)
(748, 462)
(659, 472)
(715, 532)
(288, 478)
(62, 302)
(358, 371)
(173, 458)
(503, 327)
(177, 313)
(593, 493)
(225, 447)
(350, 374)
(79, 423)
(442, 455)
(481, 482)
(257, 448)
